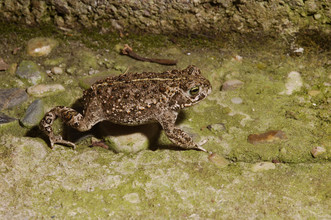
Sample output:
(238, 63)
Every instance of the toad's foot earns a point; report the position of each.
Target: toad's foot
(59, 140)
(71, 117)
(201, 148)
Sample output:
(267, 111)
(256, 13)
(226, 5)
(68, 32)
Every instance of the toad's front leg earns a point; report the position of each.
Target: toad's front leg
(176, 135)
(70, 116)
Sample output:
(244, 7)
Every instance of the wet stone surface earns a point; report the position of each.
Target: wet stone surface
(30, 71)
(42, 90)
(33, 114)
(12, 97)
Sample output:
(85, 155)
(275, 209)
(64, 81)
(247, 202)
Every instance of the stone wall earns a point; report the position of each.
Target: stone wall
(209, 17)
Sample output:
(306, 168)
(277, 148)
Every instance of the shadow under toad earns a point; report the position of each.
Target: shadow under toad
(105, 128)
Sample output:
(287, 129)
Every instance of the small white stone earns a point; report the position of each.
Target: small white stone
(317, 16)
(237, 58)
(57, 70)
(298, 50)
(236, 100)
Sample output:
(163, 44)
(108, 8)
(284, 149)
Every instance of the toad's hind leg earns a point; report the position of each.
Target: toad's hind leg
(176, 135)
(70, 116)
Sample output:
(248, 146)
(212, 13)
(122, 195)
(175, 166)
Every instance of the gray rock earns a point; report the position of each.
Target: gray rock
(30, 71)
(33, 114)
(4, 119)
(12, 97)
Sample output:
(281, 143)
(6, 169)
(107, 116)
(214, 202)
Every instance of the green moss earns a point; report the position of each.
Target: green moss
(54, 62)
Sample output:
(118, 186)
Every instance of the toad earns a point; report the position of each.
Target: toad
(135, 99)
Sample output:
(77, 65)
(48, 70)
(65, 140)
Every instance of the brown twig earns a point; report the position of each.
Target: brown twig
(127, 50)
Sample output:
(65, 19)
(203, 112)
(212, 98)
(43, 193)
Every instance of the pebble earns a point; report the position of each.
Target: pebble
(317, 16)
(267, 137)
(28, 70)
(238, 58)
(231, 84)
(218, 160)
(129, 143)
(128, 139)
(4, 119)
(293, 83)
(43, 90)
(41, 46)
(12, 97)
(298, 50)
(236, 100)
(33, 114)
(262, 166)
(57, 70)
(316, 151)
(92, 72)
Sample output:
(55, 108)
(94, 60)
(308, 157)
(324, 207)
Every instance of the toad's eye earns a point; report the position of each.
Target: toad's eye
(194, 90)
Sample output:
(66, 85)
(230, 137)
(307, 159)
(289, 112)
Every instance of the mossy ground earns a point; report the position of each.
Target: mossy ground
(97, 183)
